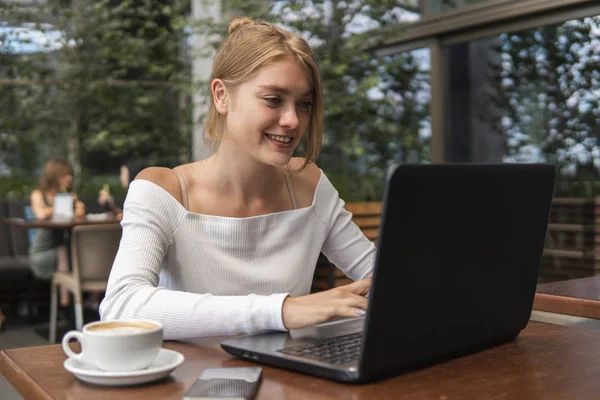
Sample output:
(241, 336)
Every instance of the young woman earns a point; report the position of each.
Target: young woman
(228, 245)
(48, 251)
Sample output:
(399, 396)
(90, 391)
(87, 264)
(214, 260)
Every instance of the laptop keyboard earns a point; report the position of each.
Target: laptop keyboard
(335, 350)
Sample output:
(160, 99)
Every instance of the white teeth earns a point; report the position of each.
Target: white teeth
(281, 139)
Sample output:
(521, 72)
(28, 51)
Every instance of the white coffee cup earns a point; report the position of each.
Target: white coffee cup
(117, 345)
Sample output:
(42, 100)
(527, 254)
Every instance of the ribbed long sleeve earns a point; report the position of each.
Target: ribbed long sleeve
(203, 275)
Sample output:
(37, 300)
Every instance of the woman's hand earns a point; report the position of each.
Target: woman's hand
(104, 197)
(344, 301)
(79, 209)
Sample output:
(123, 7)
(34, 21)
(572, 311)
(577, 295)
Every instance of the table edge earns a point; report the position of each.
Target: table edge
(567, 305)
(18, 222)
(27, 387)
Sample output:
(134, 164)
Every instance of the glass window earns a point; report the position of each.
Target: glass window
(533, 96)
(390, 124)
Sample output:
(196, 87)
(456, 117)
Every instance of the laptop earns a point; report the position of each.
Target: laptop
(459, 251)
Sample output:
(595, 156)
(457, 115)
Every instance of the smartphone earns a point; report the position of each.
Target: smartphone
(239, 383)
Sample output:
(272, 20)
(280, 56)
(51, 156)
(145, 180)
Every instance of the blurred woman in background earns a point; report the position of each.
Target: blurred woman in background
(48, 251)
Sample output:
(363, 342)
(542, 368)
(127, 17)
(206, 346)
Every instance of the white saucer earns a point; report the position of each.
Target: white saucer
(97, 217)
(165, 363)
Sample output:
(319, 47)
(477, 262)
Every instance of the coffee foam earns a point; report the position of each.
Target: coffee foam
(123, 328)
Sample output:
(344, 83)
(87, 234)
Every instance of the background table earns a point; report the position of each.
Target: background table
(545, 362)
(50, 224)
(578, 297)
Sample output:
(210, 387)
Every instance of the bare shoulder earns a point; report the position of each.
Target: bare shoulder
(305, 183)
(163, 177)
(36, 195)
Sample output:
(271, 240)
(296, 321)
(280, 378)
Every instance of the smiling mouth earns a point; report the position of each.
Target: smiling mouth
(281, 139)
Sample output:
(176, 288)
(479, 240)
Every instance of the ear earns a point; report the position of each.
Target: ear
(219, 93)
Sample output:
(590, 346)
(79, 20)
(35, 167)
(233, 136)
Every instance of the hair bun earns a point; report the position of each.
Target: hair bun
(237, 23)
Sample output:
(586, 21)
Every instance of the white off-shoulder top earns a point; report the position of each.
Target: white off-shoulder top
(205, 275)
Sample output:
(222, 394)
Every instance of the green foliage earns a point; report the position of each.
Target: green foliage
(115, 81)
(93, 183)
(20, 186)
(139, 44)
(16, 186)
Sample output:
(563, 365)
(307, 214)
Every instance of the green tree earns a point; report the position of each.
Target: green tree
(29, 125)
(139, 101)
(117, 83)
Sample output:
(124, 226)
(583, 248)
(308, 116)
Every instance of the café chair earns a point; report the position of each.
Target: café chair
(93, 250)
(15, 274)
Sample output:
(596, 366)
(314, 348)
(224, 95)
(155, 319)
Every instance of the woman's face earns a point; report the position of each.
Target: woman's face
(267, 115)
(65, 181)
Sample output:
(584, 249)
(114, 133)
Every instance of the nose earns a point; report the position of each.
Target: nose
(289, 118)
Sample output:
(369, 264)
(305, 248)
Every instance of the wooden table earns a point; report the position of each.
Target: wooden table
(578, 297)
(545, 362)
(59, 224)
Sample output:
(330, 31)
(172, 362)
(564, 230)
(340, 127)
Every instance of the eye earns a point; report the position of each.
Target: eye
(305, 105)
(273, 101)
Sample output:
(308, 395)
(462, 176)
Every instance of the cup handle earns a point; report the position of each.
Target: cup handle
(67, 349)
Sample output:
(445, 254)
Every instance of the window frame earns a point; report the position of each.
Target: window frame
(478, 21)
(470, 23)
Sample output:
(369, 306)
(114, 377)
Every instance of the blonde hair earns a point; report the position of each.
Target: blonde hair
(53, 171)
(250, 46)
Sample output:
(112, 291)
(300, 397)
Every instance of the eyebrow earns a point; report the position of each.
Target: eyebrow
(281, 90)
